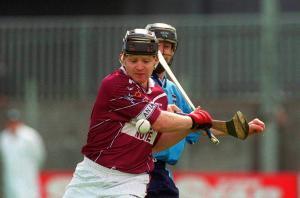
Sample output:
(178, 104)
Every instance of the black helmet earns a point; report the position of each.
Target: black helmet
(164, 32)
(140, 42)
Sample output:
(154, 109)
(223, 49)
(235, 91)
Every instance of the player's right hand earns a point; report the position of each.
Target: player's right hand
(201, 119)
(256, 126)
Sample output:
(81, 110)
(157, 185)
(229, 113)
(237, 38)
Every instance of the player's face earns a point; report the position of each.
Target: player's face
(167, 50)
(139, 67)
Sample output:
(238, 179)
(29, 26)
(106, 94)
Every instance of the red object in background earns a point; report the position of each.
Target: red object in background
(246, 185)
(199, 184)
(53, 183)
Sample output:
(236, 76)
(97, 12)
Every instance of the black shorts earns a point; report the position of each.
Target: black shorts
(161, 185)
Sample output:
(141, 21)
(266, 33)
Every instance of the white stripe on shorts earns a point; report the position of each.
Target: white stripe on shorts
(93, 180)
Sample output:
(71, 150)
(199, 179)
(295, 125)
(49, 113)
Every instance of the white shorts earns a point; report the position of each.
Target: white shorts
(93, 180)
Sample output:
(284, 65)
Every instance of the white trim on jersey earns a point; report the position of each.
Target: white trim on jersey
(130, 129)
(95, 126)
(111, 142)
(147, 111)
(126, 106)
(159, 96)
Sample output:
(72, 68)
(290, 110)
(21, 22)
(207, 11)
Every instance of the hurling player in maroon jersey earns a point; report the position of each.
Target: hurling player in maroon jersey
(117, 158)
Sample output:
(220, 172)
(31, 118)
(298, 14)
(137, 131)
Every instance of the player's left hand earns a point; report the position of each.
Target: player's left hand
(256, 126)
(201, 119)
(174, 109)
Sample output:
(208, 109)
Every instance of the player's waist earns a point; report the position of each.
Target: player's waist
(171, 155)
(167, 159)
(113, 168)
(102, 169)
(160, 164)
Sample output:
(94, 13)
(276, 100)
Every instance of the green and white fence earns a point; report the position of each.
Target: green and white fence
(218, 56)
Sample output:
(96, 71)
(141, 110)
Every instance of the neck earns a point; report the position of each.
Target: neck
(145, 85)
(161, 75)
(12, 126)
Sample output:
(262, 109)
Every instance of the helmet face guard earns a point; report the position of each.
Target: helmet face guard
(140, 48)
(164, 32)
(140, 42)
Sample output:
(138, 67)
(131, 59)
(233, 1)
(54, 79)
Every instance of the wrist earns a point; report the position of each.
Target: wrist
(193, 123)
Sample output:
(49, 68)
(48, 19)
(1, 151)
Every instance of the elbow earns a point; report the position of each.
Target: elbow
(157, 148)
(159, 126)
(160, 123)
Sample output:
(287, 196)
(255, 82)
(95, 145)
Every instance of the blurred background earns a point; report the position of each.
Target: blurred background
(232, 55)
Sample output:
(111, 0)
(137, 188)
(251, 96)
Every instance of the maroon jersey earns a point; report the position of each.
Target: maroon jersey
(113, 140)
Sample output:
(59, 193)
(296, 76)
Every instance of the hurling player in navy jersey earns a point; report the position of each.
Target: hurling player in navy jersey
(117, 158)
(161, 183)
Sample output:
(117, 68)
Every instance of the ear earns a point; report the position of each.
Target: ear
(156, 62)
(121, 58)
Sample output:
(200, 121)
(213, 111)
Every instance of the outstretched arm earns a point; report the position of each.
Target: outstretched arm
(175, 127)
(255, 126)
(170, 122)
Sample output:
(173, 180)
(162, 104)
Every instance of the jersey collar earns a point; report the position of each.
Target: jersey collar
(160, 82)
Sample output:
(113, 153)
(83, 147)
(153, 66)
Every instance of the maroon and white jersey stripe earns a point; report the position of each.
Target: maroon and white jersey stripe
(113, 140)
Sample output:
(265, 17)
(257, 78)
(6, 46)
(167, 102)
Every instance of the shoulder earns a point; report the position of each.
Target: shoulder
(28, 132)
(170, 83)
(115, 77)
(156, 88)
(173, 88)
(28, 129)
(114, 81)
(157, 91)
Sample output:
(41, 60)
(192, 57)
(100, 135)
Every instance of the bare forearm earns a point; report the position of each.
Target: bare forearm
(170, 122)
(255, 126)
(167, 140)
(175, 127)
